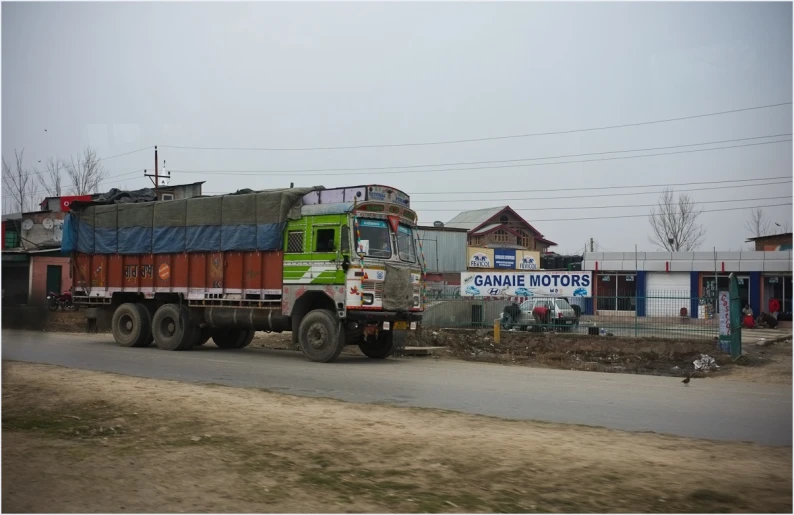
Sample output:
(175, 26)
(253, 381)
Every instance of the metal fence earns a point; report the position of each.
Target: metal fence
(657, 314)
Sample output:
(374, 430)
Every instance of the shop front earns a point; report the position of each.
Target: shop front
(616, 291)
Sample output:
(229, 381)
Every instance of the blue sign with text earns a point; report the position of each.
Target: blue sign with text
(504, 258)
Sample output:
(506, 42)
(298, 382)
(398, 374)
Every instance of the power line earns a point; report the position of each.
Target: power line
(372, 168)
(619, 207)
(261, 172)
(587, 196)
(634, 216)
(59, 168)
(492, 138)
(788, 177)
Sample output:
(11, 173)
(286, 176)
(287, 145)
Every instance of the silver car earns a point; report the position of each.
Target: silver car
(540, 312)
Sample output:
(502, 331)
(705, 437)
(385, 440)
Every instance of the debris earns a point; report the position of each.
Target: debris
(705, 363)
(452, 504)
(195, 439)
(73, 416)
(763, 342)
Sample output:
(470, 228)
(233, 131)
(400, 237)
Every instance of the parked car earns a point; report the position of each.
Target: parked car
(539, 313)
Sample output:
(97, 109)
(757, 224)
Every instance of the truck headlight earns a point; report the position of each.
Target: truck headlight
(368, 299)
(416, 300)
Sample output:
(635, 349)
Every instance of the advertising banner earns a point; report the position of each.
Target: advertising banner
(526, 284)
(507, 259)
(527, 260)
(504, 258)
(725, 313)
(480, 257)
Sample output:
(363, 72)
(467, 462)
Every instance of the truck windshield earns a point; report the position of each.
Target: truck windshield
(405, 244)
(375, 239)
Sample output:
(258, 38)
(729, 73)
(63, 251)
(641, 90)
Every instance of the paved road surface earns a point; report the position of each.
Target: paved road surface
(713, 409)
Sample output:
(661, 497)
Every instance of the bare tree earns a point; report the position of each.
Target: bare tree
(17, 185)
(85, 172)
(674, 223)
(759, 224)
(51, 179)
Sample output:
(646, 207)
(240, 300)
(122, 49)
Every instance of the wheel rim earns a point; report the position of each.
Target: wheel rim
(317, 337)
(126, 325)
(168, 327)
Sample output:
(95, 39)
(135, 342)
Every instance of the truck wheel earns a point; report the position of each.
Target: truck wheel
(228, 338)
(172, 328)
(202, 336)
(321, 339)
(381, 348)
(131, 325)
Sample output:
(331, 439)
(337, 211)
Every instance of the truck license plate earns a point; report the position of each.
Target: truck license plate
(400, 325)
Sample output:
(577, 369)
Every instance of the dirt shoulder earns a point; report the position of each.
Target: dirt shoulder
(80, 441)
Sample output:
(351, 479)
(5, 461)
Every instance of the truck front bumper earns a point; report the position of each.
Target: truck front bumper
(382, 316)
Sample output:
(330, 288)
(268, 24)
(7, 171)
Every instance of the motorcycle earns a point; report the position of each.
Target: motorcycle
(63, 301)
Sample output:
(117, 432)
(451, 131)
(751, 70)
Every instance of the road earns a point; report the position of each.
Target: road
(710, 409)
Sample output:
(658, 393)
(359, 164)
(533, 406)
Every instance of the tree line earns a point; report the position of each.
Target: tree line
(23, 185)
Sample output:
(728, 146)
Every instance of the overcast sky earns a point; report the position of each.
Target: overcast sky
(120, 77)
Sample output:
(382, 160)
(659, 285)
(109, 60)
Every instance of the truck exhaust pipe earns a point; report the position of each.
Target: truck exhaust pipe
(256, 319)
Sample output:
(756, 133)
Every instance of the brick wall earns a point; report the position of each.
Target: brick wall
(772, 241)
(38, 269)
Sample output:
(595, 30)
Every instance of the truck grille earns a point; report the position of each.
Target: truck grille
(373, 287)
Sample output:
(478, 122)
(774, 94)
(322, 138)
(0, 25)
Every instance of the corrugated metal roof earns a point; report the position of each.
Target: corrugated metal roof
(487, 228)
(471, 219)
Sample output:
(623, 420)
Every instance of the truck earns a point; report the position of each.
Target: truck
(336, 267)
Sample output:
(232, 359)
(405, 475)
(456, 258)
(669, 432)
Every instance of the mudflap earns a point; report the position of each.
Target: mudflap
(398, 346)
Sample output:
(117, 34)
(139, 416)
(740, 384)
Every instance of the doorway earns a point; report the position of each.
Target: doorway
(54, 279)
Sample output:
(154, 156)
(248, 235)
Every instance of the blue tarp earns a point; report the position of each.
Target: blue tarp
(246, 222)
(135, 240)
(203, 238)
(169, 240)
(69, 239)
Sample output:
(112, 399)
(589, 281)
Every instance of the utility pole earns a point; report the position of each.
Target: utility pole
(156, 177)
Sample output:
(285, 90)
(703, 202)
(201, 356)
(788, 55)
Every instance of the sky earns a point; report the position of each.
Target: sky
(122, 77)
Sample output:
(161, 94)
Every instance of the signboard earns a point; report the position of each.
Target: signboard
(507, 259)
(526, 284)
(385, 194)
(725, 313)
(479, 257)
(527, 260)
(67, 201)
(504, 258)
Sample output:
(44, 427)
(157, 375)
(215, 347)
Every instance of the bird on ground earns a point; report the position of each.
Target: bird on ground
(686, 381)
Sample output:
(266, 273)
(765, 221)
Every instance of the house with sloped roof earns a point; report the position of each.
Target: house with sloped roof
(500, 227)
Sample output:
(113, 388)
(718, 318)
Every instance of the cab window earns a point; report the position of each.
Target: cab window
(324, 241)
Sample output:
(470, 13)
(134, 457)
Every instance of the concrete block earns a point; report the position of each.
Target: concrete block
(752, 255)
(658, 256)
(683, 256)
(612, 256)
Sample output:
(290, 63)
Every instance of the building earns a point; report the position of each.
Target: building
(500, 227)
(772, 242)
(650, 283)
(444, 250)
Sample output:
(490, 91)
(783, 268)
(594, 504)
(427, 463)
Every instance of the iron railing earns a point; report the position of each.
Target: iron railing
(656, 314)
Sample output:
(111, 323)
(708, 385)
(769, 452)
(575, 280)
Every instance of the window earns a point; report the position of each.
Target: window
(324, 241)
(503, 220)
(524, 239)
(295, 241)
(405, 244)
(167, 196)
(12, 239)
(501, 236)
(375, 238)
(345, 244)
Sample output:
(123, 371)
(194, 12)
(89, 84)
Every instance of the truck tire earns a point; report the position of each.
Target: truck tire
(321, 337)
(381, 348)
(201, 336)
(172, 329)
(131, 325)
(229, 338)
